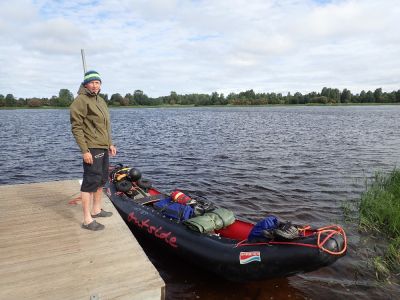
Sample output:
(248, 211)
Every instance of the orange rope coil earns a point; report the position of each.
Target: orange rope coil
(330, 231)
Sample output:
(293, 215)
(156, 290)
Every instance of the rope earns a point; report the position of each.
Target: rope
(74, 200)
(331, 230)
(302, 230)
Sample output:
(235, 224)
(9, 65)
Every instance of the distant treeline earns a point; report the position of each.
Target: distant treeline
(138, 98)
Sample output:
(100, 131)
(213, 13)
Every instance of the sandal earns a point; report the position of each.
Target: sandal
(102, 214)
(94, 226)
(287, 231)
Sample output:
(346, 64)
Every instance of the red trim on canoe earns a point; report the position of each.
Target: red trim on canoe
(153, 192)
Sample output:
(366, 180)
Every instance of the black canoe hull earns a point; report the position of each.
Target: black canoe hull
(223, 256)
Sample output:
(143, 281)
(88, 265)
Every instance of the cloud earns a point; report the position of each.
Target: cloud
(199, 46)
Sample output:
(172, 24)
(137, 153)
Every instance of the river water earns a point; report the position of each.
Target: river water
(301, 164)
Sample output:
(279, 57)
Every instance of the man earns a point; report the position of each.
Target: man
(90, 125)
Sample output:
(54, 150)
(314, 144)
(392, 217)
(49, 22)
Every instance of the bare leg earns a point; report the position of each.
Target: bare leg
(87, 218)
(97, 197)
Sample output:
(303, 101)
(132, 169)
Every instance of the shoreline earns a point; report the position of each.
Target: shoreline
(210, 106)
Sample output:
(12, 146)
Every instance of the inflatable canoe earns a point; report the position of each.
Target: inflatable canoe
(227, 251)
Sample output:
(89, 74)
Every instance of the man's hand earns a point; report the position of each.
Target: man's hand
(88, 158)
(112, 150)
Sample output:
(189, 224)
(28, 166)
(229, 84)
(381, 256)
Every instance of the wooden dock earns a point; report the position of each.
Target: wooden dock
(44, 253)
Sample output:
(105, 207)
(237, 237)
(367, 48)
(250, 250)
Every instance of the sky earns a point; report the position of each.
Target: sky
(199, 46)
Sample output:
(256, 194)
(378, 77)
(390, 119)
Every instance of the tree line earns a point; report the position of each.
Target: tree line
(139, 98)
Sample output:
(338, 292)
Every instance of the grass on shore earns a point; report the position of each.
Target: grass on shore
(380, 212)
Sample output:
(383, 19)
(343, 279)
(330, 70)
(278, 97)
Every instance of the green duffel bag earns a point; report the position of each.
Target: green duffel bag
(222, 217)
(215, 220)
(201, 224)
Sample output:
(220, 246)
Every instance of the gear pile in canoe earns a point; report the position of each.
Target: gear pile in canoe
(215, 239)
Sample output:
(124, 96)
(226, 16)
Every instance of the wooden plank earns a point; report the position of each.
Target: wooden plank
(44, 254)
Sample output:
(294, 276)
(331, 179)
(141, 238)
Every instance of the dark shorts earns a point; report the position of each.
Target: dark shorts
(95, 175)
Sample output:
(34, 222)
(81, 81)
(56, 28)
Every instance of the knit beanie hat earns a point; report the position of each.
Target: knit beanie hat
(90, 76)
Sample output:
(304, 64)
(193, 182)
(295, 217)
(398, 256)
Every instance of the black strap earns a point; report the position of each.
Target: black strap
(150, 199)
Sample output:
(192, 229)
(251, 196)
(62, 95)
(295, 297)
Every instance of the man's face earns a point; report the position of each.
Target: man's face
(93, 86)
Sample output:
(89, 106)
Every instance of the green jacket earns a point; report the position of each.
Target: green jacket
(90, 121)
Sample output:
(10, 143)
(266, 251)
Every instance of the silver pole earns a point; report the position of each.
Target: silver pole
(83, 61)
